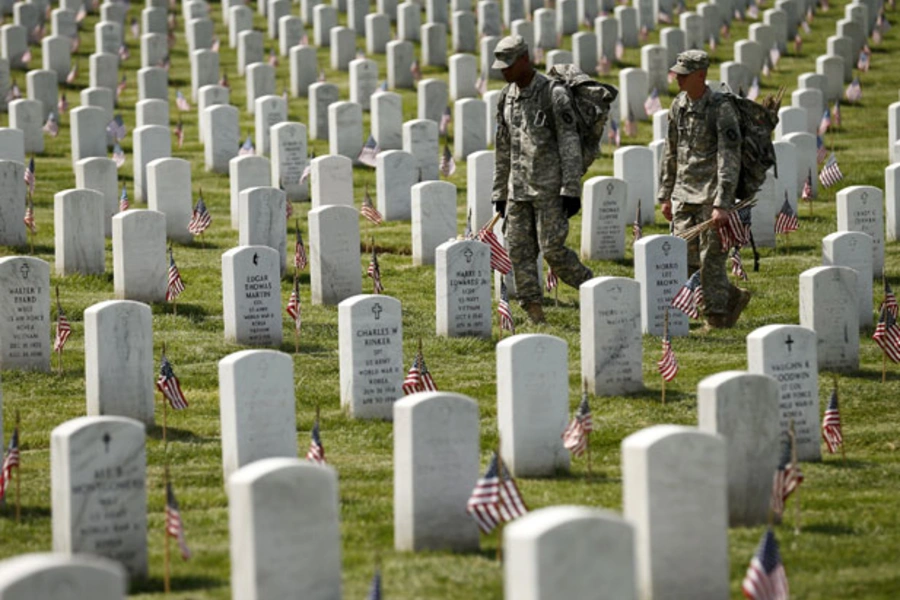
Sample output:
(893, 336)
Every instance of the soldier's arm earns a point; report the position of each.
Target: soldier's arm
(568, 141)
(501, 156)
(670, 160)
(728, 161)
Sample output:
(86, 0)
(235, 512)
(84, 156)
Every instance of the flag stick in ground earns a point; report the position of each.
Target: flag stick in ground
(18, 469)
(296, 330)
(665, 335)
(793, 435)
(59, 369)
(843, 454)
(587, 434)
(883, 354)
(166, 562)
(500, 478)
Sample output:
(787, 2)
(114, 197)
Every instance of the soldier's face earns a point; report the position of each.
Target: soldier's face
(517, 70)
(692, 83)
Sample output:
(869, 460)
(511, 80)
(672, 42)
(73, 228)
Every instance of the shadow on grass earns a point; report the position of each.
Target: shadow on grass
(174, 433)
(655, 396)
(829, 529)
(178, 584)
(26, 512)
(838, 463)
(190, 311)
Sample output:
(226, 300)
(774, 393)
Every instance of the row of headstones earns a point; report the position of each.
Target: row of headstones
(700, 480)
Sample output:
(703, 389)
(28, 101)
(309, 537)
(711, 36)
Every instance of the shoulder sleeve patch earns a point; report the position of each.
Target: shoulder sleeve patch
(732, 135)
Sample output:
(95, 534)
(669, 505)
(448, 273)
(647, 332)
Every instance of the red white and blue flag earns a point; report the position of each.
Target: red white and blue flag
(765, 578)
(316, 452)
(503, 309)
(831, 424)
(787, 478)
(668, 364)
(174, 525)
(690, 297)
(175, 285)
(575, 436)
(10, 462)
(168, 384)
(496, 498)
(786, 221)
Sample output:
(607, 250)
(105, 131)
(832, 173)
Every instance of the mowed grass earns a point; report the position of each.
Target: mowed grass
(850, 532)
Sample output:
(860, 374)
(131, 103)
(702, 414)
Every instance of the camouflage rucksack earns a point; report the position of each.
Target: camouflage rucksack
(591, 101)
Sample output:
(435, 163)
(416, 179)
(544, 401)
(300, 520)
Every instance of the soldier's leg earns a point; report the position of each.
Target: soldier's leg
(553, 228)
(685, 216)
(523, 251)
(717, 290)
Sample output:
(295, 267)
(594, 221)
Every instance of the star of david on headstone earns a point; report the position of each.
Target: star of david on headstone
(468, 254)
(376, 310)
(610, 187)
(24, 269)
(666, 247)
(789, 342)
(106, 440)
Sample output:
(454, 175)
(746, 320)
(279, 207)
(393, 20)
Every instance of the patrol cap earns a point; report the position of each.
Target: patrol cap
(690, 61)
(508, 50)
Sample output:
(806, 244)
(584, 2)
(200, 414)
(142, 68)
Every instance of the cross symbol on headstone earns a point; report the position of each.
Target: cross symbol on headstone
(788, 342)
(468, 254)
(666, 247)
(24, 269)
(376, 310)
(610, 187)
(616, 289)
(106, 440)
(864, 196)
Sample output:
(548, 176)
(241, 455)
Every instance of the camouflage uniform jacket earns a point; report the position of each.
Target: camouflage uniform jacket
(702, 160)
(537, 148)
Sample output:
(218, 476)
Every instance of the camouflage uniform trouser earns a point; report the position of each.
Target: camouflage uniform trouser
(537, 226)
(705, 253)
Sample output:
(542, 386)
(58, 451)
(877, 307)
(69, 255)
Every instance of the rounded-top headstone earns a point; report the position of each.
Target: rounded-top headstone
(53, 576)
(24, 313)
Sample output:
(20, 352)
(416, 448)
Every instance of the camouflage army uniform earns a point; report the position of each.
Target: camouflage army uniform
(700, 171)
(537, 160)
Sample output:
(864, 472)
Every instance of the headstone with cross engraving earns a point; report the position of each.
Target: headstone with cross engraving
(861, 208)
(853, 249)
(256, 407)
(463, 289)
(605, 216)
(788, 354)
(828, 305)
(24, 313)
(98, 490)
(251, 298)
(611, 339)
(370, 339)
(660, 266)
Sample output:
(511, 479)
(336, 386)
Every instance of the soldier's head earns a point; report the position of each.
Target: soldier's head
(690, 69)
(511, 57)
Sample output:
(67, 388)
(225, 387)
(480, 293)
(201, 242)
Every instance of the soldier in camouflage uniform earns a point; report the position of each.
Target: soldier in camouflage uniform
(538, 171)
(700, 171)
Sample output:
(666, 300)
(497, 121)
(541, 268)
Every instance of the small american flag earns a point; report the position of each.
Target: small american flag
(765, 578)
(273, 57)
(81, 14)
(411, 382)
(121, 86)
(825, 121)
(786, 221)
(668, 364)
(181, 102)
(63, 104)
(890, 300)
(552, 280)
(247, 148)
(774, 55)
(787, 478)
(500, 260)
(316, 452)
(175, 285)
(620, 49)
(223, 80)
(447, 165)
(216, 44)
(375, 587)
(29, 176)
(200, 219)
(538, 55)
(179, 133)
(169, 385)
(135, 28)
(652, 103)
(853, 93)
(636, 228)
(496, 498)
(75, 45)
(603, 65)
(831, 424)
(831, 172)
(863, 63)
(887, 334)
(630, 124)
(504, 310)
(51, 127)
(481, 85)
(174, 526)
(468, 234)
(369, 152)
(118, 155)
(415, 70)
(798, 44)
(418, 378)
(123, 200)
(614, 135)
(836, 113)
(807, 194)
(737, 265)
(821, 150)
(166, 61)
(736, 230)
(10, 461)
(575, 436)
(63, 330)
(444, 124)
(72, 75)
(293, 305)
(690, 297)
(28, 219)
(124, 53)
(300, 258)
(116, 128)
(374, 271)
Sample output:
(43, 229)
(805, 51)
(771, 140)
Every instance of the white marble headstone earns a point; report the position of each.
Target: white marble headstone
(829, 306)
(463, 289)
(24, 313)
(52, 576)
(334, 258)
(251, 298)
(611, 342)
(660, 266)
(140, 268)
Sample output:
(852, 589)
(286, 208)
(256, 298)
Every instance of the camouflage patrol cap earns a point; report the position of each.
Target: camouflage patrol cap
(690, 61)
(508, 50)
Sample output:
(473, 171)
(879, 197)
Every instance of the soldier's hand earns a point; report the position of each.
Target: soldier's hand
(666, 206)
(719, 217)
(571, 204)
(500, 207)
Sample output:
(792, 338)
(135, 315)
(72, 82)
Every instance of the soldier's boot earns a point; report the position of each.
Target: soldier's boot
(535, 312)
(737, 303)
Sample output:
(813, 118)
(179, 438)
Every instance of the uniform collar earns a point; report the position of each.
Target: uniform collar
(700, 103)
(536, 84)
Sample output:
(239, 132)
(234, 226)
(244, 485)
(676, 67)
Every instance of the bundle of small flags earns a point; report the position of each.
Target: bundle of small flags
(293, 305)
(668, 364)
(690, 297)
(300, 258)
(374, 271)
(787, 478)
(496, 498)
(123, 200)
(737, 265)
(369, 152)
(786, 221)
(831, 424)
(174, 526)
(504, 310)
(316, 452)
(575, 436)
(500, 260)
(418, 378)
(831, 173)
(247, 148)
(765, 578)
(175, 285)
(447, 165)
(552, 280)
(736, 230)
(168, 384)
(200, 219)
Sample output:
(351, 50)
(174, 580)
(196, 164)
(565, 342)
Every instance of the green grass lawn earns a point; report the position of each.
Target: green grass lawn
(851, 531)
